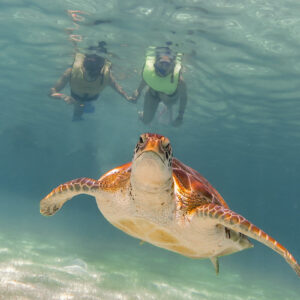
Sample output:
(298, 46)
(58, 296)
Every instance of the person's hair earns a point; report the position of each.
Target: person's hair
(93, 63)
(164, 51)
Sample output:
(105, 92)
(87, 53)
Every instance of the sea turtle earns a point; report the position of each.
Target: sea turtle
(158, 199)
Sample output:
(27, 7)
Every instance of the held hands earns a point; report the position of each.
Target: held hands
(133, 98)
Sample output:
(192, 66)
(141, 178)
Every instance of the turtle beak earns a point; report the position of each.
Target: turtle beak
(154, 146)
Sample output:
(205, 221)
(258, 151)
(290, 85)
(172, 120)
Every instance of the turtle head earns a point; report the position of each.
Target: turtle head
(152, 162)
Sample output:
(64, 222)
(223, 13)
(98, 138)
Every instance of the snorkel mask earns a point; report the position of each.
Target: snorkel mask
(164, 65)
(93, 64)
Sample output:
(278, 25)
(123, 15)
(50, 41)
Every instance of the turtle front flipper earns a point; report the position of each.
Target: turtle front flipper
(238, 223)
(64, 192)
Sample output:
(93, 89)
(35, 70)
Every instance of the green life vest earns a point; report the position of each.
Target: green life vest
(167, 84)
(82, 87)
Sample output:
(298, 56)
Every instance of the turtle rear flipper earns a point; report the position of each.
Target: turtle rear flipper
(215, 263)
(64, 192)
(236, 222)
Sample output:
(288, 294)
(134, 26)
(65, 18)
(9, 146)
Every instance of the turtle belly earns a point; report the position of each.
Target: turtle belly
(200, 239)
(153, 233)
(207, 241)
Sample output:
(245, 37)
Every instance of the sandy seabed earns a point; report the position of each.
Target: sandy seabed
(31, 269)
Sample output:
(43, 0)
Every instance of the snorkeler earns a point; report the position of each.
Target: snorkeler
(161, 73)
(88, 76)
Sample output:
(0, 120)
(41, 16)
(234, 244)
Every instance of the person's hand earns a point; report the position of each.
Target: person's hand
(178, 121)
(69, 99)
(56, 95)
(131, 99)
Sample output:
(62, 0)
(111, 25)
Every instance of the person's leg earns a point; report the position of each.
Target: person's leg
(89, 107)
(78, 111)
(150, 107)
(165, 114)
(169, 102)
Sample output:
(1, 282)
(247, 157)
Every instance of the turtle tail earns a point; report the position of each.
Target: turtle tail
(64, 192)
(236, 222)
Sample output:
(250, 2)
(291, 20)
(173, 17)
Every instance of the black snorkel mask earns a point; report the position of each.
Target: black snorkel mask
(93, 64)
(163, 67)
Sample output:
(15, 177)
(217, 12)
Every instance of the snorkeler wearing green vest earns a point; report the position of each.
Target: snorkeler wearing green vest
(88, 76)
(161, 73)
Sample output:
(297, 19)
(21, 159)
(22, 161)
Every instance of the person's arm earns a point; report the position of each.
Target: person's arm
(182, 102)
(59, 85)
(117, 87)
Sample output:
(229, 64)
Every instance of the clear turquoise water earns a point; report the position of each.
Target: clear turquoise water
(241, 131)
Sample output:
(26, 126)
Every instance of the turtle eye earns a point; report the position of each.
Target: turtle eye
(166, 143)
(142, 139)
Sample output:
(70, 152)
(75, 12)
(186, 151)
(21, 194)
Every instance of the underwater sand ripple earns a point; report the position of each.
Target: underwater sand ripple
(29, 272)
